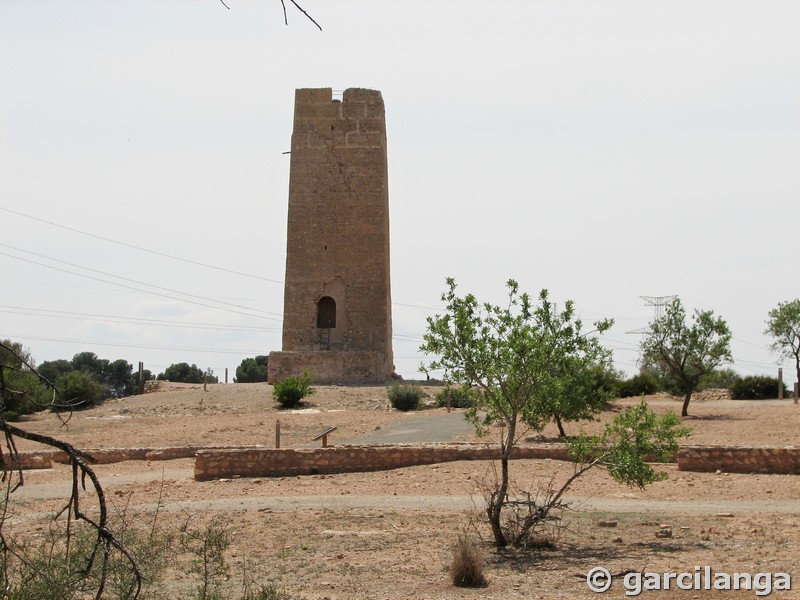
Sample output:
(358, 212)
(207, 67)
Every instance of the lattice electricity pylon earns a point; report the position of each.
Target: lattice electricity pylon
(658, 303)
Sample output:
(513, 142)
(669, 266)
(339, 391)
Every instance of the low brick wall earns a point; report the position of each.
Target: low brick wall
(738, 459)
(247, 461)
(104, 456)
(273, 462)
(30, 460)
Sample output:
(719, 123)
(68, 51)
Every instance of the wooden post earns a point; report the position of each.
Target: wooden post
(141, 377)
(205, 382)
(226, 374)
(780, 383)
(277, 433)
(795, 392)
(448, 402)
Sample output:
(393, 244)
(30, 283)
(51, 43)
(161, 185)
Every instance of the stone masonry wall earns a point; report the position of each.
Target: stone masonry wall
(331, 367)
(30, 460)
(736, 459)
(272, 462)
(230, 461)
(337, 241)
(105, 456)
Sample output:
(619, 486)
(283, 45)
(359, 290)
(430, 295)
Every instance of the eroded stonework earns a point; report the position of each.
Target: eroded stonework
(337, 321)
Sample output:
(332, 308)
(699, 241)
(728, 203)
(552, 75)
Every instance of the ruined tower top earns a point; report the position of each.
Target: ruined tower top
(337, 300)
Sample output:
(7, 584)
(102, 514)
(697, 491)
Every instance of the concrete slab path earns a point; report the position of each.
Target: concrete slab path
(418, 428)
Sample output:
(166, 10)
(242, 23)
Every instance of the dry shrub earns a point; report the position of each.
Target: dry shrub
(467, 567)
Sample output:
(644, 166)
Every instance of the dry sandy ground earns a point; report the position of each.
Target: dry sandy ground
(389, 534)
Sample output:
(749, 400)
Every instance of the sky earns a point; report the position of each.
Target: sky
(603, 150)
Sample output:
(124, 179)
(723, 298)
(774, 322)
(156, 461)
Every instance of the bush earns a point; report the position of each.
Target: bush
(405, 396)
(33, 395)
(467, 567)
(80, 390)
(718, 379)
(292, 390)
(756, 387)
(638, 385)
(22, 391)
(460, 397)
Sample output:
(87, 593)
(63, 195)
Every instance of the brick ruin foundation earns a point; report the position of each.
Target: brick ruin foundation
(228, 462)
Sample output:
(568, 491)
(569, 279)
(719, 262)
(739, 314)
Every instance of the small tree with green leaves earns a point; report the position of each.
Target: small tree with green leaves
(581, 390)
(784, 325)
(686, 352)
(635, 437)
(526, 360)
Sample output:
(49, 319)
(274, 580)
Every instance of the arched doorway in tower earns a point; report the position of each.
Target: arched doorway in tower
(326, 313)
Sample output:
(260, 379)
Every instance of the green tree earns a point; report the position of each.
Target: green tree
(252, 370)
(80, 389)
(686, 352)
(53, 369)
(582, 388)
(89, 362)
(525, 360)
(784, 325)
(23, 390)
(185, 373)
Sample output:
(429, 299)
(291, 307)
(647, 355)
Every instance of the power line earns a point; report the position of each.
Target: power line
(61, 314)
(158, 287)
(417, 306)
(140, 248)
(171, 256)
(140, 290)
(136, 346)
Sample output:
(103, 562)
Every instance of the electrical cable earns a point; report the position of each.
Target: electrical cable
(140, 248)
(139, 290)
(61, 314)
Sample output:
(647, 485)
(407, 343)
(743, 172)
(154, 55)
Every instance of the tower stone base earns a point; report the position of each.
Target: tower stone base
(331, 366)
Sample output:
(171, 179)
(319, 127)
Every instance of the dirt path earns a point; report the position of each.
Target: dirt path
(60, 488)
(457, 503)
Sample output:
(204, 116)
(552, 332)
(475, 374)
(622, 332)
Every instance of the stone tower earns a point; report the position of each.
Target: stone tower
(337, 315)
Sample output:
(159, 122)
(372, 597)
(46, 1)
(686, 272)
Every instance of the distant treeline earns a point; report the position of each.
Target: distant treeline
(87, 380)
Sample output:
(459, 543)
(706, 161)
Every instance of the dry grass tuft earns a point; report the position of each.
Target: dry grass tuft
(467, 567)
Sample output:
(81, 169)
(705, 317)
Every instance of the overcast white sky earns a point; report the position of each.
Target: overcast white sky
(603, 150)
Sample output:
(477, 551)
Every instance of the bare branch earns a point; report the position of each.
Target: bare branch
(11, 465)
(310, 18)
